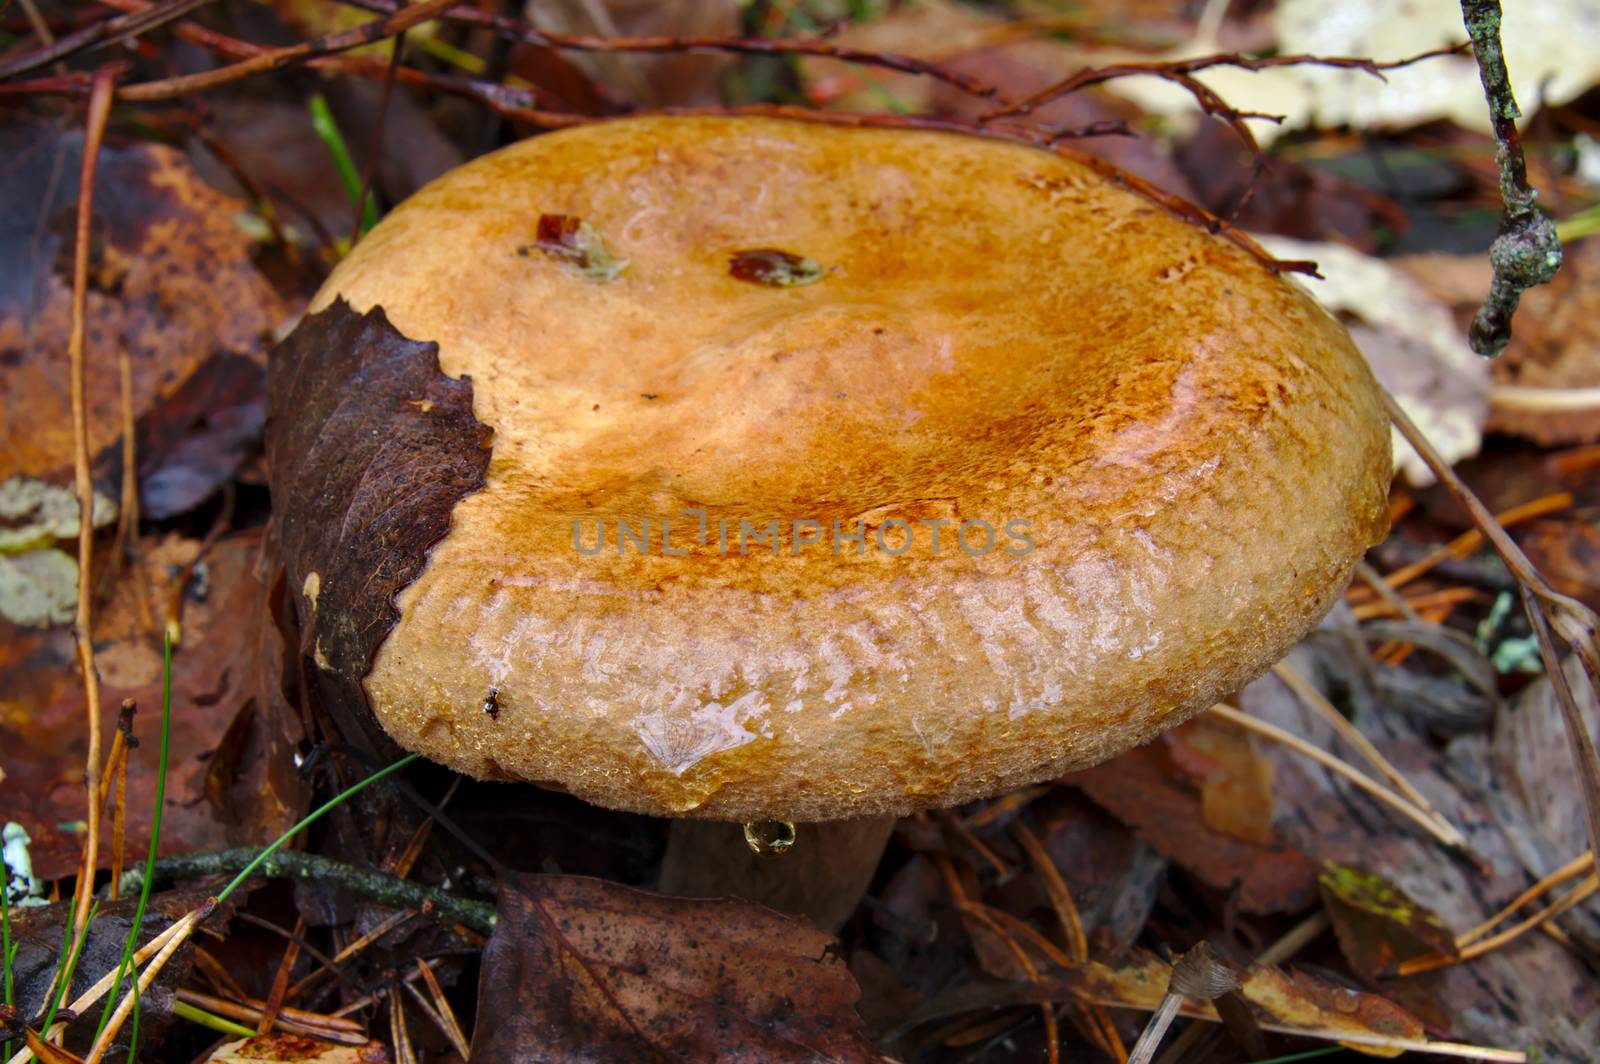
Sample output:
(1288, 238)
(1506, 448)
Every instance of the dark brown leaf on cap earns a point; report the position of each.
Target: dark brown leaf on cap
(587, 970)
(370, 447)
(770, 266)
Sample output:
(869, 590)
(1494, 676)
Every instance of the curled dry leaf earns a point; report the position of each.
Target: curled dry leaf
(170, 282)
(293, 1049)
(1410, 340)
(1287, 1002)
(1378, 925)
(584, 969)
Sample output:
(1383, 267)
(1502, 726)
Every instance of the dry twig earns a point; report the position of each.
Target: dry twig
(83, 622)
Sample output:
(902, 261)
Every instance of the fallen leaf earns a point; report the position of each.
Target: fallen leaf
(1143, 790)
(1410, 340)
(1235, 781)
(293, 1049)
(217, 676)
(1287, 1002)
(1377, 924)
(1113, 876)
(171, 283)
(1534, 995)
(680, 79)
(584, 969)
(1545, 46)
(1537, 790)
(37, 933)
(1287, 198)
(1546, 384)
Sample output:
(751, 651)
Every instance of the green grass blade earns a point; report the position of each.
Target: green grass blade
(131, 944)
(328, 130)
(311, 818)
(205, 1019)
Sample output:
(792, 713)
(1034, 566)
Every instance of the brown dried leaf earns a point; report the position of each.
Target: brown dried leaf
(293, 1049)
(673, 79)
(1143, 790)
(1113, 876)
(171, 281)
(1008, 55)
(1287, 1002)
(1377, 924)
(215, 680)
(588, 970)
(1534, 995)
(1539, 801)
(1235, 781)
(358, 417)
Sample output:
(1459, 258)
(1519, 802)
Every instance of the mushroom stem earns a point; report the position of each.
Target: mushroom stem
(821, 877)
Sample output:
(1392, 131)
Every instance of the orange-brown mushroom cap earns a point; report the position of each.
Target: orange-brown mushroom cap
(1178, 456)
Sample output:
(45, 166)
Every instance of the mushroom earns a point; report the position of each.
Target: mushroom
(752, 471)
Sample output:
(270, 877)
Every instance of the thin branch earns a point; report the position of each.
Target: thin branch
(526, 33)
(293, 864)
(83, 623)
(1527, 251)
(99, 34)
(328, 44)
(1576, 623)
(1350, 772)
(1179, 69)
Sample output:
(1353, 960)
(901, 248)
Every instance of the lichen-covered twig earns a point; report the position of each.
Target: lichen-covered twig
(293, 864)
(1527, 251)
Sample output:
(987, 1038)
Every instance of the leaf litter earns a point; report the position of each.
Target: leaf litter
(1209, 835)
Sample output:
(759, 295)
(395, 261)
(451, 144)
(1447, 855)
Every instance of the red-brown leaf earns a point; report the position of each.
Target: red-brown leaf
(583, 969)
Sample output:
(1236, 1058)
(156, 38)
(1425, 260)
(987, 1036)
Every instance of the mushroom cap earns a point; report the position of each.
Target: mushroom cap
(1179, 457)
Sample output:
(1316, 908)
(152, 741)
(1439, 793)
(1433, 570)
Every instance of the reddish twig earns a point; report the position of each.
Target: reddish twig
(1176, 69)
(278, 58)
(819, 47)
(99, 34)
(83, 624)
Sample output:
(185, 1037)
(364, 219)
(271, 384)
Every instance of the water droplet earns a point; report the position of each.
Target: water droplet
(769, 838)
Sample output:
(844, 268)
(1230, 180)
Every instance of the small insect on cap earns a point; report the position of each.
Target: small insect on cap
(749, 469)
